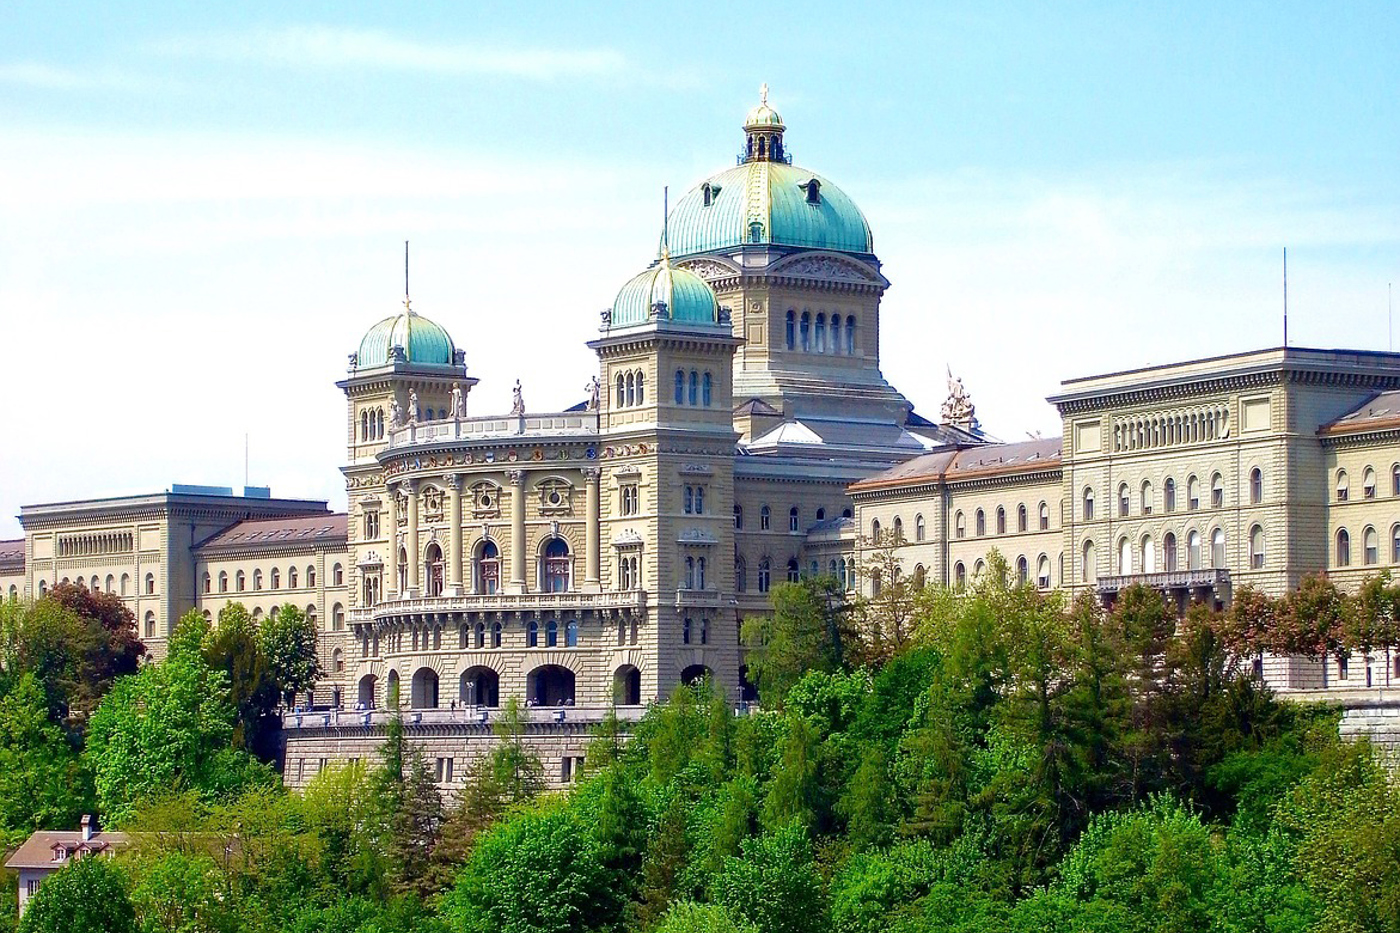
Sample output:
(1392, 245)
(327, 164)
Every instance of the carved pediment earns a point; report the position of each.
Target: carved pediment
(709, 269)
(826, 268)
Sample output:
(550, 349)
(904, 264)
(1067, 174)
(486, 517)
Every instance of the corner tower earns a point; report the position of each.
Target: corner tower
(666, 445)
(793, 256)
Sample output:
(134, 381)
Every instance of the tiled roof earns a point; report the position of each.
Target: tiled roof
(265, 532)
(951, 466)
(12, 552)
(1376, 413)
(38, 850)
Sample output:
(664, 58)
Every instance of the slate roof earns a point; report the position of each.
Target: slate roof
(1377, 413)
(294, 531)
(12, 553)
(38, 850)
(972, 463)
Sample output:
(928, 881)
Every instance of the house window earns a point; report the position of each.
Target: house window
(1169, 495)
(551, 633)
(792, 518)
(1145, 499)
(791, 331)
(1123, 501)
(276, 578)
(1193, 551)
(1125, 556)
(805, 331)
(694, 387)
(257, 580)
(821, 333)
(960, 525)
(764, 518)
(1042, 572)
(741, 575)
(685, 631)
(223, 581)
(680, 387)
(1370, 546)
(1088, 570)
(621, 391)
(239, 582)
(875, 534)
(765, 575)
(1001, 520)
(208, 583)
(337, 575)
(628, 495)
(1044, 517)
(1023, 571)
(1256, 486)
(496, 635)
(981, 523)
(1169, 552)
(310, 576)
(1395, 544)
(794, 572)
(337, 618)
(371, 525)
(1256, 548)
(919, 527)
(851, 335)
(150, 584)
(1343, 488)
(557, 566)
(1193, 494)
(738, 516)
(292, 577)
(1395, 480)
(706, 389)
(532, 634)
(1217, 491)
(1217, 549)
(1021, 523)
(1088, 504)
(959, 575)
(1368, 484)
(488, 569)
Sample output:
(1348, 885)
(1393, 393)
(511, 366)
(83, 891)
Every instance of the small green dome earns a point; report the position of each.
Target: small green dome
(763, 116)
(675, 294)
(424, 343)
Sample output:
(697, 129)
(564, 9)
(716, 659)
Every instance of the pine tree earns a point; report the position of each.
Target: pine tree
(416, 828)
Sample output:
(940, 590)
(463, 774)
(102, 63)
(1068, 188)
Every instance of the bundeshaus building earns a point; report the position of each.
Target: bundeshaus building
(739, 433)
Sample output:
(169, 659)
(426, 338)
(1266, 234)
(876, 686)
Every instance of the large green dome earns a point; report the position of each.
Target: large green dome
(675, 294)
(766, 200)
(424, 343)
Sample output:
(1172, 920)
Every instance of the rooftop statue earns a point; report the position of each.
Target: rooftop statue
(958, 408)
(459, 404)
(517, 406)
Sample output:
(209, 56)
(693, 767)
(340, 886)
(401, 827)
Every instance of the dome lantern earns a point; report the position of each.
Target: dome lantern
(763, 133)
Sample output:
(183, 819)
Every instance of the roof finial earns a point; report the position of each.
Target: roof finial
(763, 93)
(665, 222)
(406, 305)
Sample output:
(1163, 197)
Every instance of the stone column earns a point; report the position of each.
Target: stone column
(411, 540)
(454, 569)
(517, 529)
(591, 526)
(391, 585)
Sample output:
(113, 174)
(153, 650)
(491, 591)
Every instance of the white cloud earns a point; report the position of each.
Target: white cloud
(53, 78)
(338, 47)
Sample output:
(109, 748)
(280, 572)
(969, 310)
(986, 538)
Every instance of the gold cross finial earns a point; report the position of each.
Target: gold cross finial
(763, 93)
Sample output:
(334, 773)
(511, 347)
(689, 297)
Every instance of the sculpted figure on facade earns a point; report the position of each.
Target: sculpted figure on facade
(594, 389)
(517, 405)
(459, 406)
(395, 414)
(412, 406)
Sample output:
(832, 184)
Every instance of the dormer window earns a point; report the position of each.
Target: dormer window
(709, 193)
(755, 232)
(814, 191)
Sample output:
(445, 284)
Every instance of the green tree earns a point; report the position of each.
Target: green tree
(808, 630)
(234, 647)
(888, 616)
(690, 917)
(87, 894)
(166, 728)
(416, 827)
(288, 640)
(42, 781)
(774, 884)
(113, 648)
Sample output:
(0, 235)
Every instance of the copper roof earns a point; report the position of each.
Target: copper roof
(38, 850)
(971, 463)
(330, 528)
(1377, 413)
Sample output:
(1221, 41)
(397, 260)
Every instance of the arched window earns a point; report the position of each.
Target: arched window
(821, 333)
(337, 618)
(898, 530)
(1123, 500)
(1023, 571)
(1169, 495)
(1193, 551)
(1125, 557)
(337, 575)
(1370, 546)
(741, 575)
(1256, 486)
(738, 516)
(1088, 503)
(434, 561)
(551, 633)
(496, 635)
(1148, 549)
(311, 574)
(680, 387)
(1256, 548)
(981, 523)
(487, 573)
(1395, 544)
(1217, 491)
(1395, 480)
(257, 580)
(875, 534)
(1021, 523)
(694, 388)
(557, 566)
(150, 584)
(223, 581)
(1001, 520)
(1343, 486)
(631, 389)
(919, 527)
(1368, 484)
(1169, 552)
(532, 634)
(960, 525)
(805, 331)
(959, 575)
(111, 584)
(851, 335)
(793, 519)
(621, 393)
(1145, 499)
(571, 633)
(292, 577)
(706, 389)
(207, 585)
(794, 572)
(1042, 572)
(126, 585)
(150, 623)
(791, 331)
(1193, 493)
(765, 575)
(338, 661)
(1088, 571)
(765, 517)
(641, 388)
(239, 581)
(1217, 549)
(276, 578)
(364, 425)
(1044, 516)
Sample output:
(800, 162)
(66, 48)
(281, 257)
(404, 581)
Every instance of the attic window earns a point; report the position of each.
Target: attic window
(814, 191)
(709, 192)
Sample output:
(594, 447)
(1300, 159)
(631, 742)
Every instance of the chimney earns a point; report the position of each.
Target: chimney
(87, 827)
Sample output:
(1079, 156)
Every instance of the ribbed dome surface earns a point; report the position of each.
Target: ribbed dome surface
(424, 342)
(685, 296)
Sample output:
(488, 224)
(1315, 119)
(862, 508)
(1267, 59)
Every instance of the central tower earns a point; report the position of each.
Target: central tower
(792, 255)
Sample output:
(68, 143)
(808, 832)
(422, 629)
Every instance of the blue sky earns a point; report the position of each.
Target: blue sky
(201, 209)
